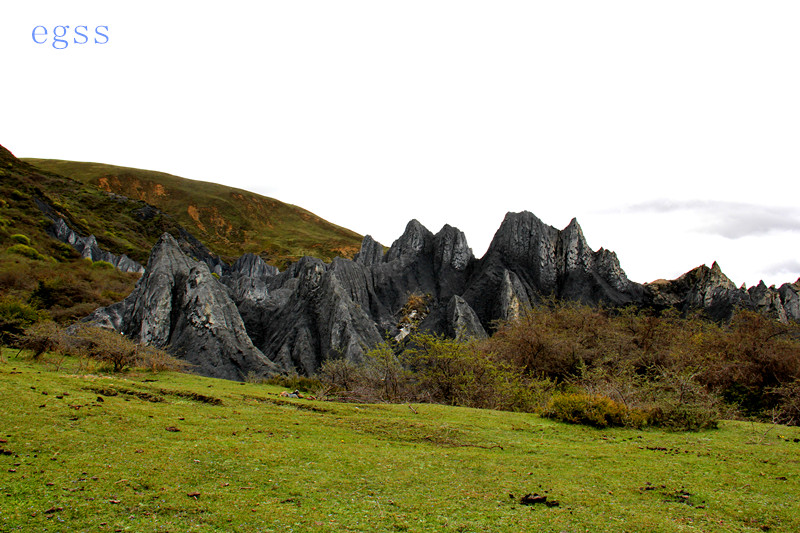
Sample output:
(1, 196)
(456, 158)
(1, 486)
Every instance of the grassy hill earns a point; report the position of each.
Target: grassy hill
(114, 204)
(229, 221)
(86, 451)
(35, 267)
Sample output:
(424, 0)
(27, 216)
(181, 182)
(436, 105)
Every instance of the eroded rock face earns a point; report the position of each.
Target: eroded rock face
(529, 261)
(178, 305)
(88, 248)
(259, 320)
(312, 312)
(710, 290)
(462, 322)
(371, 252)
(253, 266)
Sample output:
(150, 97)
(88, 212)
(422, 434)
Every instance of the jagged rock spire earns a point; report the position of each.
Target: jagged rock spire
(178, 305)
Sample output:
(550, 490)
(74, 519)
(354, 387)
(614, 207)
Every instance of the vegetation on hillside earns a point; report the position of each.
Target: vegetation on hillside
(229, 221)
(41, 277)
(595, 366)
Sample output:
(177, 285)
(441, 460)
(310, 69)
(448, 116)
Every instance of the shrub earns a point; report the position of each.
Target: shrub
(592, 410)
(92, 343)
(688, 417)
(340, 373)
(15, 317)
(18, 195)
(294, 382)
(446, 369)
(379, 378)
(43, 337)
(788, 410)
(26, 251)
(63, 251)
(157, 360)
(21, 239)
(111, 347)
(103, 265)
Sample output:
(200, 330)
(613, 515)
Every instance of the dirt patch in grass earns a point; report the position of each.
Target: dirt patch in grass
(154, 397)
(300, 406)
(194, 396)
(116, 391)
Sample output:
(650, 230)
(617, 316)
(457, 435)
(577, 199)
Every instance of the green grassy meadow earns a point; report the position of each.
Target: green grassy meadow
(84, 450)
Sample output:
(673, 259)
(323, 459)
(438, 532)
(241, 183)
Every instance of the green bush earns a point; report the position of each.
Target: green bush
(680, 403)
(592, 410)
(687, 417)
(103, 265)
(15, 317)
(295, 382)
(788, 411)
(20, 238)
(17, 195)
(25, 251)
(64, 251)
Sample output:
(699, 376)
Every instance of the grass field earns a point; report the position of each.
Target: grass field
(87, 451)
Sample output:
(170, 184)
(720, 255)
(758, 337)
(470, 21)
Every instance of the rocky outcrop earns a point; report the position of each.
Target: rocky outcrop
(178, 305)
(710, 290)
(251, 265)
(256, 319)
(89, 249)
(371, 252)
(462, 322)
(529, 261)
(314, 311)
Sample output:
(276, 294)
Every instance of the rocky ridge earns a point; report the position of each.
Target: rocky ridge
(254, 319)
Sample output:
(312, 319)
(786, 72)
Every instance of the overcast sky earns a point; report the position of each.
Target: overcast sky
(671, 130)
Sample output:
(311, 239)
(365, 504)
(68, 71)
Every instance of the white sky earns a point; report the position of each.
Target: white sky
(671, 130)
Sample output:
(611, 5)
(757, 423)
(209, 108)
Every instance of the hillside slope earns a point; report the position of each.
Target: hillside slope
(39, 270)
(207, 455)
(229, 221)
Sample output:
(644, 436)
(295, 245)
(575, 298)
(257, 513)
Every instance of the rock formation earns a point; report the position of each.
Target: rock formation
(256, 319)
(89, 249)
(710, 290)
(179, 305)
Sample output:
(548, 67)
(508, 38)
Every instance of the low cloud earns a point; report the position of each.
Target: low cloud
(732, 220)
(791, 267)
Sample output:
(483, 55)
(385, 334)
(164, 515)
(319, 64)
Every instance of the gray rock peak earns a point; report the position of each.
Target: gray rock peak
(451, 249)
(572, 249)
(415, 240)
(525, 242)
(179, 306)
(252, 265)
(371, 252)
(462, 322)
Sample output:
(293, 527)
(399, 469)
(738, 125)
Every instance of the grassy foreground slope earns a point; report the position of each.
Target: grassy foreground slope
(177, 452)
(229, 221)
